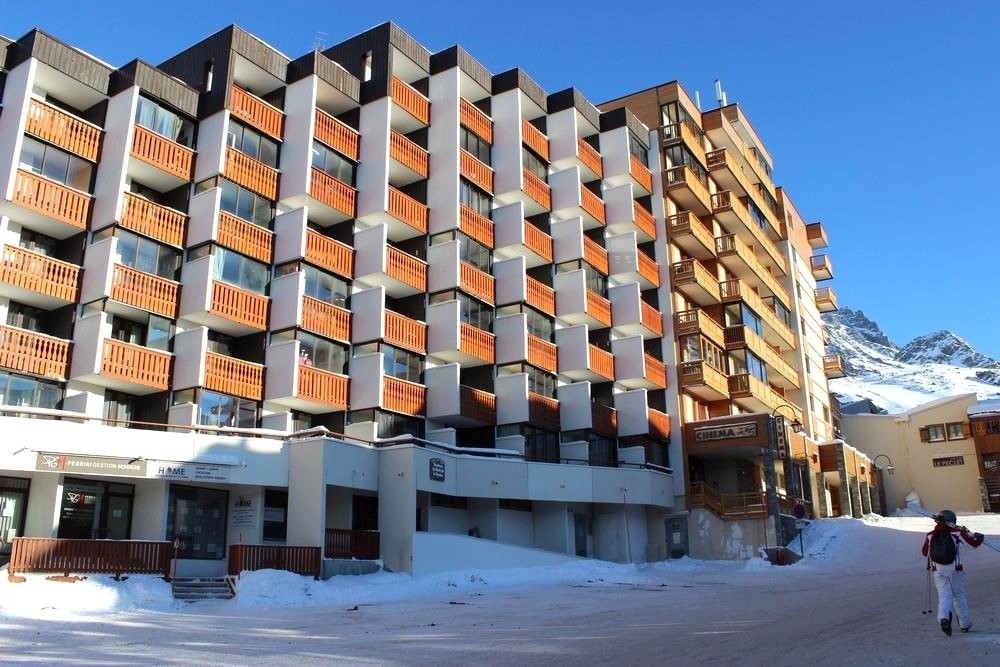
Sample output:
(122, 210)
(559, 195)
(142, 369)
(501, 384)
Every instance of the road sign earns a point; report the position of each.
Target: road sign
(799, 511)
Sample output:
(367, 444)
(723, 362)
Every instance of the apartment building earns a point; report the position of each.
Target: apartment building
(392, 243)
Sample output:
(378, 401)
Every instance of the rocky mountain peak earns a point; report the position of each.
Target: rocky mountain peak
(944, 347)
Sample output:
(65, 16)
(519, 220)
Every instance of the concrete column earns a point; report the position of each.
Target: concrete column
(866, 498)
(307, 494)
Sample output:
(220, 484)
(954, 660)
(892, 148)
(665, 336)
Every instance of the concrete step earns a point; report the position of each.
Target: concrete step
(202, 588)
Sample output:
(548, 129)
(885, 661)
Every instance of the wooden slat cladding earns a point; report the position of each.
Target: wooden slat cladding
(330, 254)
(156, 83)
(590, 157)
(644, 220)
(305, 561)
(234, 376)
(405, 397)
(335, 194)
(534, 139)
(602, 362)
(592, 204)
(640, 173)
(656, 371)
(153, 220)
(604, 419)
(405, 332)
(652, 319)
(33, 353)
(72, 62)
(251, 174)
(476, 121)
(477, 172)
(117, 557)
(345, 543)
(406, 268)
(408, 153)
(543, 411)
(537, 241)
(408, 210)
(542, 353)
(598, 307)
(326, 319)
(144, 291)
(239, 305)
(337, 135)
(251, 109)
(410, 100)
(329, 71)
(323, 387)
(477, 283)
(162, 153)
(659, 424)
(245, 237)
(135, 363)
(539, 296)
(51, 199)
(648, 268)
(476, 226)
(60, 128)
(477, 404)
(38, 273)
(477, 343)
(538, 190)
(595, 255)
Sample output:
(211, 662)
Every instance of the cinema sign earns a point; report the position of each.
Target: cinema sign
(727, 432)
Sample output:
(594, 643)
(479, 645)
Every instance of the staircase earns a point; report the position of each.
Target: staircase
(204, 588)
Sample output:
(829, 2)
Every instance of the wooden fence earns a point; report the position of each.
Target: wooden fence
(117, 557)
(344, 543)
(306, 561)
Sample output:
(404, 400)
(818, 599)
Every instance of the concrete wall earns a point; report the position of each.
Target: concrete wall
(437, 552)
(710, 537)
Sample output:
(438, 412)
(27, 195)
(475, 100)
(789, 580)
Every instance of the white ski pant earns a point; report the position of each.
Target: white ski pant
(951, 594)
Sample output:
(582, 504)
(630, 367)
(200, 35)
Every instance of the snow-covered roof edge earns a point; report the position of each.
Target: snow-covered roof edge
(985, 407)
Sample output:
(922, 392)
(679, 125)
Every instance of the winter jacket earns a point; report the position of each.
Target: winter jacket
(972, 539)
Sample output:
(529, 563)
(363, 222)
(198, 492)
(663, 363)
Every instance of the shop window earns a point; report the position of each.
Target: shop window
(275, 515)
(197, 517)
(95, 510)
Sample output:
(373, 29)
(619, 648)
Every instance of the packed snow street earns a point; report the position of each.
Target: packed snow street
(857, 598)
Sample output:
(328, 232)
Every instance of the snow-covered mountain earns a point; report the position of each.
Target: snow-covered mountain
(897, 378)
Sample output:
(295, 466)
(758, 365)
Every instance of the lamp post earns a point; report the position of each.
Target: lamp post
(890, 468)
(770, 475)
(881, 487)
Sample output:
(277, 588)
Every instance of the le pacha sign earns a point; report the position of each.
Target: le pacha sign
(727, 432)
(437, 470)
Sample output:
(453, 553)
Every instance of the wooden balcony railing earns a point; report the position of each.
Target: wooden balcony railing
(408, 153)
(60, 128)
(644, 220)
(604, 419)
(335, 194)
(725, 201)
(684, 178)
(659, 424)
(408, 398)
(249, 108)
(602, 362)
(686, 222)
(323, 387)
(826, 299)
(337, 135)
(537, 241)
(117, 557)
(405, 332)
(135, 363)
(33, 353)
(729, 506)
(689, 271)
(474, 119)
(739, 335)
(162, 153)
(406, 268)
(540, 296)
(234, 376)
(534, 139)
(38, 273)
(305, 561)
(239, 305)
(151, 219)
(477, 226)
(538, 190)
(729, 245)
(408, 210)
(326, 319)
(697, 373)
(590, 157)
(476, 282)
(648, 268)
(595, 255)
(735, 290)
(656, 371)
(652, 319)
(344, 543)
(598, 307)
(251, 174)
(477, 172)
(51, 199)
(330, 254)
(542, 353)
(543, 411)
(640, 173)
(477, 343)
(477, 404)
(144, 290)
(695, 321)
(245, 237)
(592, 204)
(410, 100)
(833, 365)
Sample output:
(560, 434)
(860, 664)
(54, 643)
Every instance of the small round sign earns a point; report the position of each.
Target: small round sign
(799, 511)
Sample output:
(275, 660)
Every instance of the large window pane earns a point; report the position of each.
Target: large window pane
(56, 165)
(197, 517)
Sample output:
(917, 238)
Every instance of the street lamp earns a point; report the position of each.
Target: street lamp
(890, 468)
(796, 424)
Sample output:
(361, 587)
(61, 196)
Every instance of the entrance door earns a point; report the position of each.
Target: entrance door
(94, 510)
(580, 530)
(677, 538)
(364, 513)
(13, 508)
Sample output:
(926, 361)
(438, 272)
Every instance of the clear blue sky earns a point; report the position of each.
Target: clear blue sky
(878, 114)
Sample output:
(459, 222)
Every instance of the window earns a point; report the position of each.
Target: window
(756, 367)
(638, 149)
(94, 510)
(539, 382)
(252, 143)
(932, 433)
(243, 272)
(594, 280)
(118, 408)
(475, 144)
(153, 117)
(325, 286)
(756, 215)
(332, 163)
(20, 390)
(321, 353)
(948, 461)
(679, 155)
(957, 430)
(147, 255)
(401, 364)
(474, 198)
(275, 515)
(469, 250)
(696, 348)
(243, 203)
(197, 517)
(35, 242)
(217, 409)
(55, 164)
(539, 325)
(535, 164)
(451, 502)
(154, 333)
(24, 317)
(471, 311)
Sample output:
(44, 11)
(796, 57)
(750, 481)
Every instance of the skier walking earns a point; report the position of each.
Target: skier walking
(941, 546)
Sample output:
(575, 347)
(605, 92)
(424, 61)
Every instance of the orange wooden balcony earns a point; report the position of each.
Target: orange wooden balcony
(598, 307)
(245, 237)
(477, 343)
(595, 255)
(736, 290)
(160, 222)
(251, 174)
(656, 371)
(542, 353)
(696, 321)
(475, 171)
(733, 212)
(474, 119)
(696, 282)
(329, 254)
(659, 424)
(162, 153)
(684, 185)
(640, 173)
(534, 139)
(817, 236)
(33, 353)
(337, 135)
(757, 393)
(408, 398)
(538, 190)
(408, 153)
(689, 233)
(407, 210)
(739, 257)
(249, 108)
(539, 296)
(477, 283)
(409, 99)
(326, 319)
(644, 220)
(234, 376)
(590, 157)
(60, 128)
(144, 291)
(335, 194)
(833, 366)
(592, 205)
(740, 336)
(38, 273)
(405, 332)
(702, 380)
(239, 305)
(406, 268)
(543, 411)
(822, 268)
(475, 225)
(51, 199)
(477, 404)
(135, 363)
(324, 387)
(537, 241)
(826, 299)
(689, 133)
(648, 268)
(604, 419)
(652, 319)
(602, 362)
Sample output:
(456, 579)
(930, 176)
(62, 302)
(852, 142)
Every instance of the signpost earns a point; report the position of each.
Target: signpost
(799, 512)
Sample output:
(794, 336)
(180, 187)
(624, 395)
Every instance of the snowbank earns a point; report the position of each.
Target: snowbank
(39, 598)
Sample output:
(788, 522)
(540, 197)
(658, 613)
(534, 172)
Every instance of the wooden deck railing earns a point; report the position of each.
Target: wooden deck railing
(543, 411)
(640, 173)
(598, 307)
(239, 305)
(602, 362)
(144, 290)
(644, 220)
(542, 353)
(408, 210)
(38, 273)
(33, 353)
(406, 268)
(117, 557)
(659, 424)
(538, 190)
(234, 376)
(699, 373)
(335, 194)
(326, 319)
(345, 543)
(408, 398)
(592, 204)
(685, 223)
(477, 226)
(409, 99)
(476, 342)
(590, 157)
(245, 237)
(537, 241)
(477, 404)
(695, 321)
(135, 363)
(330, 254)
(146, 217)
(595, 255)
(477, 282)
(534, 139)
(474, 119)
(726, 201)
(656, 371)
(51, 199)
(648, 268)
(728, 506)
(247, 107)
(604, 419)
(162, 153)
(60, 128)
(336, 135)
(652, 319)
(251, 173)
(307, 561)
(323, 387)
(408, 153)
(476, 171)
(405, 332)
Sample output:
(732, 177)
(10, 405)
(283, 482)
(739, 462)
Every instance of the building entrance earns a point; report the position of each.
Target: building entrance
(93, 510)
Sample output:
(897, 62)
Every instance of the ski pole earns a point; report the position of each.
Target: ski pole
(920, 510)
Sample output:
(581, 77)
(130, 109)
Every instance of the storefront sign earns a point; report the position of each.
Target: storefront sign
(191, 472)
(90, 465)
(244, 514)
(727, 432)
(437, 470)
